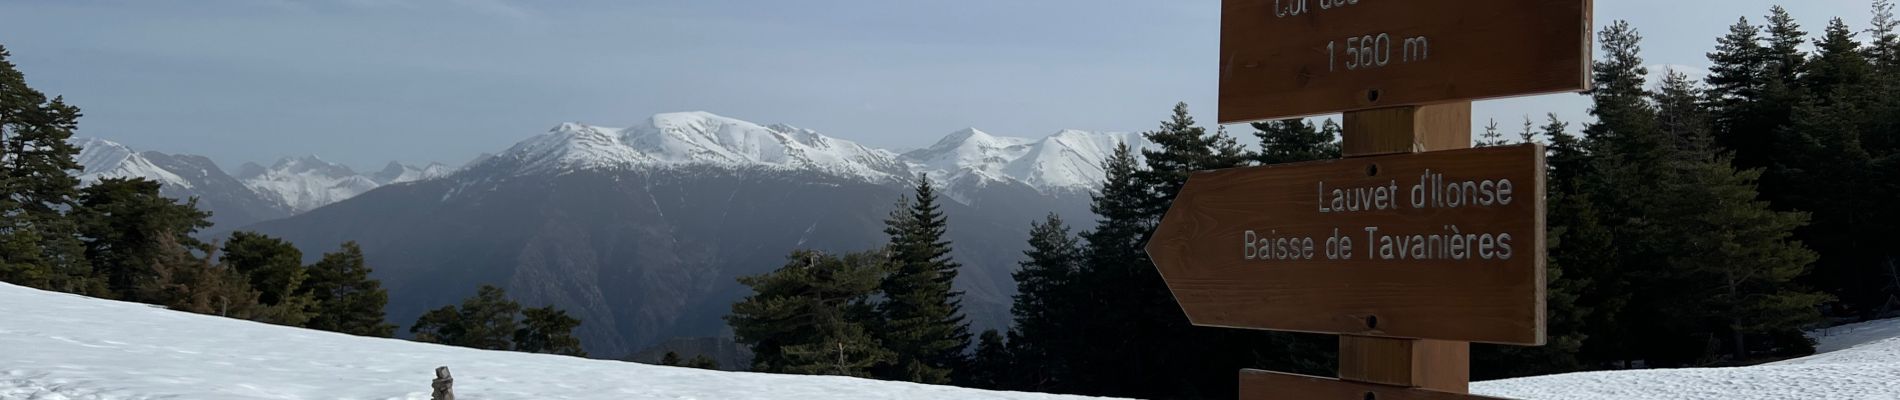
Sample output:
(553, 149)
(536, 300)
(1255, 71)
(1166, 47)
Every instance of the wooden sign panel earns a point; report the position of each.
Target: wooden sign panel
(1442, 245)
(1293, 58)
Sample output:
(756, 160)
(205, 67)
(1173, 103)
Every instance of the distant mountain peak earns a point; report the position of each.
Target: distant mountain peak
(693, 138)
(179, 177)
(100, 158)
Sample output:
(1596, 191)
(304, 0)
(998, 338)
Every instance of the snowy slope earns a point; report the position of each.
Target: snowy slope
(305, 183)
(100, 158)
(62, 346)
(1864, 364)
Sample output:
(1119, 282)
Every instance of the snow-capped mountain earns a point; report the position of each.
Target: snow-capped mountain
(291, 186)
(1069, 160)
(305, 183)
(100, 158)
(966, 160)
(180, 176)
(397, 172)
(694, 138)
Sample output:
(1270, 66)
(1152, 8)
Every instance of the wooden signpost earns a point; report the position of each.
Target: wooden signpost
(1291, 58)
(1412, 246)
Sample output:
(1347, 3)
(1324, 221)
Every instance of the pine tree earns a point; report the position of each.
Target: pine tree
(1183, 147)
(122, 222)
(275, 268)
(1626, 149)
(489, 319)
(1883, 52)
(1738, 80)
(1100, 364)
(922, 319)
(1884, 38)
(993, 367)
(1576, 244)
(1825, 167)
(670, 359)
(1839, 65)
(1529, 134)
(548, 330)
(441, 325)
(44, 250)
(1491, 136)
(1681, 113)
(809, 316)
(1295, 140)
(1047, 285)
(1786, 61)
(348, 300)
(702, 362)
(180, 279)
(485, 321)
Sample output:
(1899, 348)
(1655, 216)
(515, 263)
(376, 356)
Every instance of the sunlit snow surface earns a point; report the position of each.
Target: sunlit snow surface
(57, 346)
(1860, 361)
(60, 346)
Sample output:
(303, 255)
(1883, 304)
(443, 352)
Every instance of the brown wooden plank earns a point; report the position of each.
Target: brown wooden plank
(1275, 64)
(1267, 385)
(1200, 249)
(1433, 364)
(1402, 130)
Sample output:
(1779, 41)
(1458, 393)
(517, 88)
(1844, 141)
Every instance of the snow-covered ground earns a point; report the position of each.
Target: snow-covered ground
(1859, 361)
(58, 346)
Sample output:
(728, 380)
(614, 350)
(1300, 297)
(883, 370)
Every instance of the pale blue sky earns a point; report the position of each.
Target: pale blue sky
(367, 81)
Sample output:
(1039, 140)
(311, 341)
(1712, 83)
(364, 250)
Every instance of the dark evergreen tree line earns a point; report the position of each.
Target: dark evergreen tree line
(489, 320)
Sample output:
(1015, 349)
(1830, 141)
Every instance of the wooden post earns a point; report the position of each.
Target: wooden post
(1439, 365)
(1407, 130)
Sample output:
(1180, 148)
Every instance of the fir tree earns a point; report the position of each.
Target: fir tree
(1884, 38)
(1183, 147)
(122, 221)
(993, 366)
(1839, 64)
(1295, 140)
(670, 359)
(348, 300)
(275, 268)
(1045, 306)
(1738, 80)
(180, 279)
(1786, 61)
(1491, 136)
(44, 250)
(922, 319)
(702, 362)
(1682, 115)
(485, 321)
(808, 316)
(548, 330)
(1576, 245)
(1100, 364)
(1529, 134)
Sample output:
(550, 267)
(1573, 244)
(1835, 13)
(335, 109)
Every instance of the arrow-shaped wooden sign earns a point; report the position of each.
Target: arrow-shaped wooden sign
(1442, 245)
